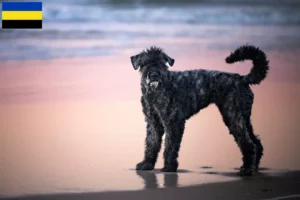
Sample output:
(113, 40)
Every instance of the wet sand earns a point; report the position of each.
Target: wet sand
(264, 186)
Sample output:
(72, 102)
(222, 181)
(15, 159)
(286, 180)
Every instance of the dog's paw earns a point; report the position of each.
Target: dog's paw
(144, 166)
(246, 171)
(256, 167)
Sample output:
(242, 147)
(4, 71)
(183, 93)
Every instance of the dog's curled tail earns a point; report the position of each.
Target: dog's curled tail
(260, 67)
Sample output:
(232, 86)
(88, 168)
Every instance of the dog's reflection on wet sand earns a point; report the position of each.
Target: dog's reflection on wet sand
(171, 179)
(151, 182)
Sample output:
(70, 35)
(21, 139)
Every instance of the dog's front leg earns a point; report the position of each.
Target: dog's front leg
(153, 141)
(174, 132)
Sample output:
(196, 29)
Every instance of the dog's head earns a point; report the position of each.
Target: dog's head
(152, 64)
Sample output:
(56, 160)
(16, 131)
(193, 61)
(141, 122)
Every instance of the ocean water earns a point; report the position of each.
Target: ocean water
(77, 28)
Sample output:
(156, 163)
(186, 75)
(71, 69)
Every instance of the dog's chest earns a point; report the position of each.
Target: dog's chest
(159, 104)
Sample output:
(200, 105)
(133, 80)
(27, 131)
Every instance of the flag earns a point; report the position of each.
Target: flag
(22, 15)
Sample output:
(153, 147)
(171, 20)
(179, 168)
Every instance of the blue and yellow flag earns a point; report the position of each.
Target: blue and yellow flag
(22, 15)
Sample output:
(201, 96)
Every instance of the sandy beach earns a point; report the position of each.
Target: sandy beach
(71, 122)
(61, 142)
(263, 186)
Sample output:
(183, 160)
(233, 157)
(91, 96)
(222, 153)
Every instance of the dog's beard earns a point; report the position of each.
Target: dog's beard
(152, 87)
(154, 84)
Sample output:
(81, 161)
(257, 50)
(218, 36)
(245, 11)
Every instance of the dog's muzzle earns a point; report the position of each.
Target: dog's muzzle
(152, 80)
(154, 84)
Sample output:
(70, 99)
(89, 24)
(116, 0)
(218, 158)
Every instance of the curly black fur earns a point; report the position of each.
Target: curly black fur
(169, 98)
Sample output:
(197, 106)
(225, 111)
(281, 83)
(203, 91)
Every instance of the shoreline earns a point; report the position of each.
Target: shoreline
(261, 186)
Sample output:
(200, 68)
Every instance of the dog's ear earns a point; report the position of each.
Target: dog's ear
(135, 61)
(169, 59)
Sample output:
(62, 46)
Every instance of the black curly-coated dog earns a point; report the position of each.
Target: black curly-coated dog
(169, 98)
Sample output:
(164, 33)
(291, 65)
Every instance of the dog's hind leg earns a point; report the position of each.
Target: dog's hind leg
(248, 149)
(246, 106)
(237, 125)
(257, 142)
